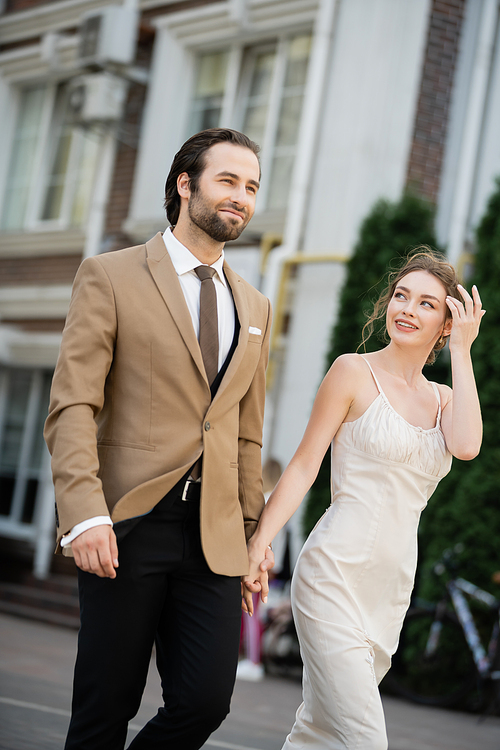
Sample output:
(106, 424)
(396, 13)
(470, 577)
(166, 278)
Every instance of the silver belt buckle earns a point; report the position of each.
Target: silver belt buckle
(185, 490)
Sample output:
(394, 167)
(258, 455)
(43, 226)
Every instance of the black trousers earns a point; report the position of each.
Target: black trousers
(164, 593)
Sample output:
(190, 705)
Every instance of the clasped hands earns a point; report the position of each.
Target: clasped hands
(257, 579)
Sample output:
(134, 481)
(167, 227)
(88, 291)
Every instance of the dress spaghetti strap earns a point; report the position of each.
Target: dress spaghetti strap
(438, 396)
(373, 375)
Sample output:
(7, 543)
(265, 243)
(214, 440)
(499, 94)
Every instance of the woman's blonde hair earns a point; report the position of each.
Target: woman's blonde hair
(421, 258)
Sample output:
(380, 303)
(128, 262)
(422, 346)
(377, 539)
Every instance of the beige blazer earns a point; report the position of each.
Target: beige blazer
(130, 408)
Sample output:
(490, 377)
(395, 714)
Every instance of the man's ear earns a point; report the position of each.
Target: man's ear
(183, 185)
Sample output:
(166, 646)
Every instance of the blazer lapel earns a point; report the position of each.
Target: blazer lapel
(165, 277)
(242, 311)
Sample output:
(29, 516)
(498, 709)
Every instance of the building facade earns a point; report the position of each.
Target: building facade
(351, 101)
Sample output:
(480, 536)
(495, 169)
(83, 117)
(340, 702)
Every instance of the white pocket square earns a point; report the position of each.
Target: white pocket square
(252, 329)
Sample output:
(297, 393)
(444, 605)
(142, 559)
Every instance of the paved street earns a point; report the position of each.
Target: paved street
(36, 664)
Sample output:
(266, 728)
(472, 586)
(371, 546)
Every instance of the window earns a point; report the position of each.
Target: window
(267, 104)
(208, 95)
(52, 163)
(24, 149)
(24, 398)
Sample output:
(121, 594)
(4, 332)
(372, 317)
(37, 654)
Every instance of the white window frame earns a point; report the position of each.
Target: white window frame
(234, 103)
(268, 145)
(44, 157)
(180, 38)
(52, 61)
(40, 531)
(12, 524)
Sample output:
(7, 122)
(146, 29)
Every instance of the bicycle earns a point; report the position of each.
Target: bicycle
(441, 657)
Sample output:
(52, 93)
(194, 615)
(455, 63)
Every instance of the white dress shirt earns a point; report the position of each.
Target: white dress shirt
(184, 263)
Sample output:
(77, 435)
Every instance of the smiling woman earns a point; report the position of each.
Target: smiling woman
(392, 435)
(425, 260)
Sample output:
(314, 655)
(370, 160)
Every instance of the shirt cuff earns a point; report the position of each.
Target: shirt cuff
(84, 526)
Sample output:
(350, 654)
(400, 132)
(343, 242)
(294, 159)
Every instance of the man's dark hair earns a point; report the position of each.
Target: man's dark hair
(191, 159)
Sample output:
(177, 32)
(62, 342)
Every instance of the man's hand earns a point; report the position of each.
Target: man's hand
(256, 580)
(96, 551)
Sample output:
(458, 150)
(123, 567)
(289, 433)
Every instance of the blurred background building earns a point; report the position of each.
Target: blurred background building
(351, 101)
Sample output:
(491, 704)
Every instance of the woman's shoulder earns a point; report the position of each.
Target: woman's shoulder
(352, 367)
(445, 393)
(350, 382)
(353, 363)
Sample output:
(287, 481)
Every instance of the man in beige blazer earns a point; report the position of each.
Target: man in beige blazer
(133, 422)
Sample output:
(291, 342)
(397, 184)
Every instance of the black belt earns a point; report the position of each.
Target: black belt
(189, 491)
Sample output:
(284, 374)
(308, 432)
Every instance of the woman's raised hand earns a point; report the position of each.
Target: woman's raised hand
(466, 318)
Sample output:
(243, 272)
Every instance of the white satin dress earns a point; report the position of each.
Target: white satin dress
(353, 580)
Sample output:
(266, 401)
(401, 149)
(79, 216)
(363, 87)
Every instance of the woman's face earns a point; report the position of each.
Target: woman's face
(416, 313)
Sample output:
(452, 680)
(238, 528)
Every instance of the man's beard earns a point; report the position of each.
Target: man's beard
(206, 218)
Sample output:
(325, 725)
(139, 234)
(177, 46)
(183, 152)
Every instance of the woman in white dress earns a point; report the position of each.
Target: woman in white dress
(394, 434)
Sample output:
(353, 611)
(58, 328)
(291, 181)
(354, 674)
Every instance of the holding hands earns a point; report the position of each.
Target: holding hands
(257, 579)
(466, 318)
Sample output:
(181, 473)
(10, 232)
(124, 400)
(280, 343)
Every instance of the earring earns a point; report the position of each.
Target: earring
(440, 342)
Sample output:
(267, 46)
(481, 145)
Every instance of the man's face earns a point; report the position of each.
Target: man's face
(224, 201)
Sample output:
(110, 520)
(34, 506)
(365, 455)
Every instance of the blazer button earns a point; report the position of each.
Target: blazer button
(207, 426)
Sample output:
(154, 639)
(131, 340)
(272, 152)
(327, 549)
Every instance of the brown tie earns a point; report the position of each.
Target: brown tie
(209, 334)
